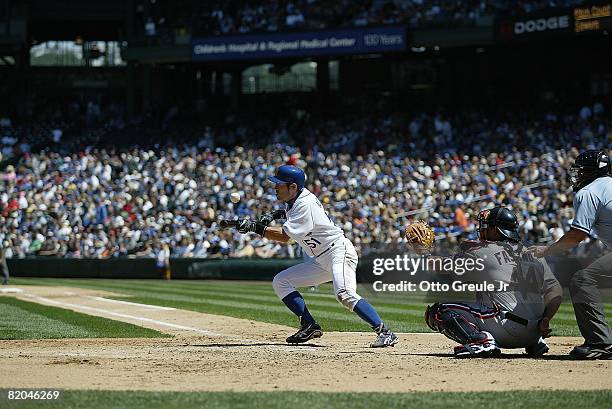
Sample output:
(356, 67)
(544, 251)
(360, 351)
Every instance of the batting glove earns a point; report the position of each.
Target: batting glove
(267, 218)
(248, 226)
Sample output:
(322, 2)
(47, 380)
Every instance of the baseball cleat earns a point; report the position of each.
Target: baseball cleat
(384, 338)
(477, 351)
(592, 352)
(483, 349)
(306, 333)
(538, 349)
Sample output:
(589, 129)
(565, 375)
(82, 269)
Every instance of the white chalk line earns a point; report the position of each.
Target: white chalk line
(10, 290)
(121, 315)
(157, 322)
(144, 319)
(135, 304)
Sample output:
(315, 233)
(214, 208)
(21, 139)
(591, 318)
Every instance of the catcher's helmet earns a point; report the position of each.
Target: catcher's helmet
(502, 219)
(589, 165)
(289, 174)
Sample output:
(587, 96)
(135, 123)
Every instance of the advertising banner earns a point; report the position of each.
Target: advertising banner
(555, 23)
(546, 24)
(302, 44)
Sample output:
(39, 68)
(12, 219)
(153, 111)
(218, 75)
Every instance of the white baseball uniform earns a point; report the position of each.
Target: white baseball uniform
(333, 256)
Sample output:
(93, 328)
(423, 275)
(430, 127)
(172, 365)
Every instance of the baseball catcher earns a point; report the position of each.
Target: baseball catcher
(517, 313)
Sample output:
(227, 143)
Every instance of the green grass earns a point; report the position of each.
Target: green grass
(257, 301)
(26, 320)
(320, 400)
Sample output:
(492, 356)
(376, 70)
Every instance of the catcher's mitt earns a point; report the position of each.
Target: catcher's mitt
(420, 237)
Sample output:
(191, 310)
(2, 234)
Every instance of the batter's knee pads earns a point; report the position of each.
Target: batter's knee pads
(347, 298)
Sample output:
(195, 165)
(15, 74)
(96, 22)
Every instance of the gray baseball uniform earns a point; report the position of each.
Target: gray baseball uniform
(4, 267)
(593, 206)
(512, 314)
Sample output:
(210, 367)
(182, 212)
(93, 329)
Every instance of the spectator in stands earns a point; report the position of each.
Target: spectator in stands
(244, 17)
(79, 201)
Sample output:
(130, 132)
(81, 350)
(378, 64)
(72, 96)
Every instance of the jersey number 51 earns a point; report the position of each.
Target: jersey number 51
(312, 243)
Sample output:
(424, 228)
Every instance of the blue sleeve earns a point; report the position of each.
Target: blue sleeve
(587, 206)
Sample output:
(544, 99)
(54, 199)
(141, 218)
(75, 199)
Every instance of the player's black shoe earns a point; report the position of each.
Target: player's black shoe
(537, 350)
(306, 333)
(592, 352)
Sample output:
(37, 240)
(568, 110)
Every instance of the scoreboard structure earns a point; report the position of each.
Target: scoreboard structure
(555, 23)
(592, 18)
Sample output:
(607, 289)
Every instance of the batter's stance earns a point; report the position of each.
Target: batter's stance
(333, 257)
(591, 179)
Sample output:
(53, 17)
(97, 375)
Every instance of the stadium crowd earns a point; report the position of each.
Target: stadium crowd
(373, 174)
(239, 17)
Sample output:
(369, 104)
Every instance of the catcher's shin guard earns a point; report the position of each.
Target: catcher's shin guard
(453, 325)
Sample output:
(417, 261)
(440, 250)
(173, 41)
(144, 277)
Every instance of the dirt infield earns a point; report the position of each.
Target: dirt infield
(217, 353)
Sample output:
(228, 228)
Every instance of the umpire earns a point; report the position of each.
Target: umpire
(591, 179)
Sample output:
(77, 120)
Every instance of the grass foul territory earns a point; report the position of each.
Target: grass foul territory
(26, 320)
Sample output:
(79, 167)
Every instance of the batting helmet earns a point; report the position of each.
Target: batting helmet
(289, 174)
(502, 219)
(589, 165)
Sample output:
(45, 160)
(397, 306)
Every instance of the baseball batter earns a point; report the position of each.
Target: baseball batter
(517, 316)
(591, 179)
(333, 257)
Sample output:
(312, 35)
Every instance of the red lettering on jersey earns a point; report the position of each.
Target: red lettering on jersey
(503, 257)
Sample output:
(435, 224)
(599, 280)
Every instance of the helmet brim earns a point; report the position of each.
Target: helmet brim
(277, 181)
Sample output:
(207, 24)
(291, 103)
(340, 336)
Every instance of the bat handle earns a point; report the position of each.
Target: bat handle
(224, 224)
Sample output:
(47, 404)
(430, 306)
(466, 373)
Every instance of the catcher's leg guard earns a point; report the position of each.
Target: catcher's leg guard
(453, 325)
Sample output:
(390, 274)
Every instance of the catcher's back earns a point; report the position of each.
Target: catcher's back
(525, 278)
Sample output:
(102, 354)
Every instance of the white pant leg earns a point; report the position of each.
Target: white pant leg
(343, 266)
(299, 275)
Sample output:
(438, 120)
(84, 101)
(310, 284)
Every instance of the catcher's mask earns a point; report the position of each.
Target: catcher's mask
(504, 221)
(589, 165)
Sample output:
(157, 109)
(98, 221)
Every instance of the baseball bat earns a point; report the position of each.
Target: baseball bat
(224, 224)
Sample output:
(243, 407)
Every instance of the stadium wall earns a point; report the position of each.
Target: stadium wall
(220, 269)
(182, 268)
